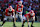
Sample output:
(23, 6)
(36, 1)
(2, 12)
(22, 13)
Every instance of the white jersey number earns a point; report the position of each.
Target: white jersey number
(19, 9)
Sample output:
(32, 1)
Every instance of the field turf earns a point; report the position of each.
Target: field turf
(18, 24)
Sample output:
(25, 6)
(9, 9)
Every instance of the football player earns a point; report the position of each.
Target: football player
(30, 15)
(9, 13)
(19, 10)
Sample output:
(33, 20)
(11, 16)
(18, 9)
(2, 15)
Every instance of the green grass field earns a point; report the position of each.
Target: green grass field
(18, 24)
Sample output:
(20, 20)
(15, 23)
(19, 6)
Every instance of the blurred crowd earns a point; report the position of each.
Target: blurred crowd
(28, 5)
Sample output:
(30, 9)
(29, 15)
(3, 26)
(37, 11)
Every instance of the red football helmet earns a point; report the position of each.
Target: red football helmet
(31, 12)
(20, 3)
(10, 8)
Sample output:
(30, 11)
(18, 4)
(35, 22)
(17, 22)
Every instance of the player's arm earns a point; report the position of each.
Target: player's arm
(22, 8)
(14, 14)
(27, 18)
(34, 17)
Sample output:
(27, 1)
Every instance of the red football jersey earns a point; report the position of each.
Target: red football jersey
(19, 8)
(7, 12)
(28, 15)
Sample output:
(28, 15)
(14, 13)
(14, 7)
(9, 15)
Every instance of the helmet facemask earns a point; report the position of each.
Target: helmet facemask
(10, 9)
(20, 3)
